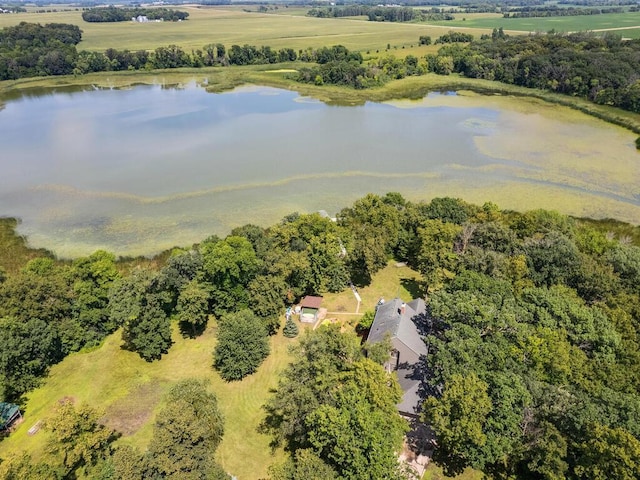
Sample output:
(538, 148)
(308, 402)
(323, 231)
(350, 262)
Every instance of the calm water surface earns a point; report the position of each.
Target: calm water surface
(135, 171)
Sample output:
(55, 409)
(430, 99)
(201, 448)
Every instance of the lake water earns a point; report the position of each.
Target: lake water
(139, 170)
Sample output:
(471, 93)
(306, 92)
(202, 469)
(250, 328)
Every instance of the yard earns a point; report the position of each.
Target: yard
(129, 391)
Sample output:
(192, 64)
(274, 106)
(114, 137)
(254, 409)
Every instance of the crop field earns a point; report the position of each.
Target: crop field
(624, 24)
(231, 25)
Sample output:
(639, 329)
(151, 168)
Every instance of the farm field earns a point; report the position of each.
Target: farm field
(230, 26)
(625, 24)
(129, 391)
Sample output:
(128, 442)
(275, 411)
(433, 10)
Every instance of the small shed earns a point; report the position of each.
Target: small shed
(9, 413)
(310, 306)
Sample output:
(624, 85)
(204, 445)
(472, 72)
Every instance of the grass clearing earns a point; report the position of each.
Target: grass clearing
(129, 390)
(390, 282)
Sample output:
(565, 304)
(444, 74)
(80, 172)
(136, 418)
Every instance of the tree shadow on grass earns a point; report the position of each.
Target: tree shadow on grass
(189, 330)
(413, 286)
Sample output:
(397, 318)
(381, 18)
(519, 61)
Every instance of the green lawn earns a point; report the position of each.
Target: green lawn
(388, 283)
(617, 22)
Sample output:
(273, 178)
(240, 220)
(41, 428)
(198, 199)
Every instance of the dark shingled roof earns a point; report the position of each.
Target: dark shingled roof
(401, 326)
(391, 319)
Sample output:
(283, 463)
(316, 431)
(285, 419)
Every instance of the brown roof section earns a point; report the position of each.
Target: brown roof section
(311, 302)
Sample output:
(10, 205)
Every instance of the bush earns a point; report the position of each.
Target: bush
(365, 321)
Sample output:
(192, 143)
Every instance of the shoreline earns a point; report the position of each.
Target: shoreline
(220, 79)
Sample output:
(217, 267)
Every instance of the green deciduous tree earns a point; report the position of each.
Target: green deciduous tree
(359, 433)
(340, 404)
(149, 332)
(607, 453)
(321, 357)
(78, 441)
(25, 467)
(193, 307)
(242, 345)
(229, 265)
(27, 349)
(373, 227)
(436, 254)
(186, 434)
(92, 279)
(267, 293)
(305, 465)
(458, 419)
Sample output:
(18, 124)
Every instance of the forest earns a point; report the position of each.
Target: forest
(555, 11)
(532, 330)
(602, 69)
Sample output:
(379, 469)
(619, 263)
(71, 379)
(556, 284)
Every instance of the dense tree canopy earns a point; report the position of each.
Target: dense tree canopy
(339, 404)
(603, 69)
(119, 14)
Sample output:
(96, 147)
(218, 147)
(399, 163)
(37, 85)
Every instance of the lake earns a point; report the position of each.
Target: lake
(139, 170)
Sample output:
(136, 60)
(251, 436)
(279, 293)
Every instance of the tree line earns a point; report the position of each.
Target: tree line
(28, 50)
(604, 69)
(119, 14)
(381, 14)
(555, 11)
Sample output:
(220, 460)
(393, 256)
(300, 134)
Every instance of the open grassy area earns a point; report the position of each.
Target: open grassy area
(393, 281)
(129, 392)
(625, 24)
(232, 25)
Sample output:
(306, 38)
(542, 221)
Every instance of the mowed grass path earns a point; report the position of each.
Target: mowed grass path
(129, 391)
(233, 26)
(627, 23)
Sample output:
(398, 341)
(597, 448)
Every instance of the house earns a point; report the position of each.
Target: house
(309, 307)
(400, 322)
(9, 413)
